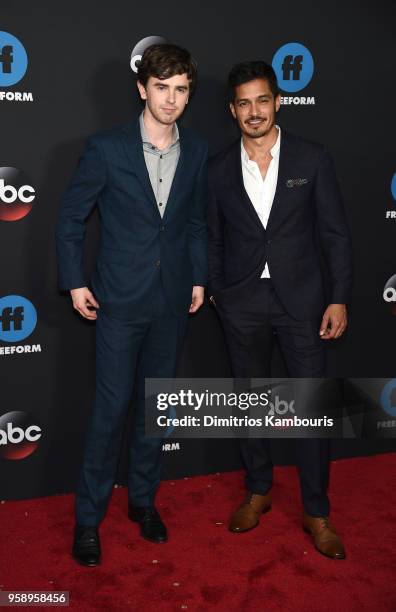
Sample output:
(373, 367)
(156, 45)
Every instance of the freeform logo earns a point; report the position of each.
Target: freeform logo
(389, 294)
(391, 214)
(393, 186)
(388, 396)
(171, 427)
(13, 66)
(174, 446)
(16, 194)
(294, 67)
(19, 435)
(13, 60)
(18, 319)
(140, 48)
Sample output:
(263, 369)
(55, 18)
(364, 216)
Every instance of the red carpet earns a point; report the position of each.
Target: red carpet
(203, 567)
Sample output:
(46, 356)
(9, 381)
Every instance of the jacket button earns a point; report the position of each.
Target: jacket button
(268, 241)
(162, 228)
(158, 263)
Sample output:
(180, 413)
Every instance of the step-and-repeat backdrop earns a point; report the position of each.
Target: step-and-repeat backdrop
(67, 70)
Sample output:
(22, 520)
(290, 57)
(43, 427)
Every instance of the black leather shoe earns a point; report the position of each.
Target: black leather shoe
(86, 547)
(151, 526)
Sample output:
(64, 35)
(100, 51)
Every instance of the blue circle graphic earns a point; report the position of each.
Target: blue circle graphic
(393, 186)
(294, 66)
(386, 397)
(13, 60)
(18, 318)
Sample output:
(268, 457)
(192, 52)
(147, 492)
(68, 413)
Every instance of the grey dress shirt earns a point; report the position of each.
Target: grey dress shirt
(161, 165)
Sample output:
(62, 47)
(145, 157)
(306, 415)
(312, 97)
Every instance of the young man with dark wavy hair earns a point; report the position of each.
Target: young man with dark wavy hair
(148, 179)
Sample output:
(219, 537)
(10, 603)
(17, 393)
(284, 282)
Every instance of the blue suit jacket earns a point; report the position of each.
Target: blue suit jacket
(136, 244)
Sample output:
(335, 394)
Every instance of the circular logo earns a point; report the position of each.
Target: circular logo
(18, 318)
(390, 290)
(294, 66)
(19, 435)
(393, 186)
(386, 397)
(140, 48)
(389, 294)
(16, 194)
(13, 60)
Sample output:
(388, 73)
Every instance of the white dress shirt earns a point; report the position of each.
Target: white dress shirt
(261, 191)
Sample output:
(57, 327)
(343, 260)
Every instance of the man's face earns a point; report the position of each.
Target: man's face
(255, 108)
(165, 98)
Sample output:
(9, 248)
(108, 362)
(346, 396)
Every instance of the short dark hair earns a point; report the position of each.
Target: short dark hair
(164, 61)
(249, 71)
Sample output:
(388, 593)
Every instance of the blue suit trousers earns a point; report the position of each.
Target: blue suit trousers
(126, 351)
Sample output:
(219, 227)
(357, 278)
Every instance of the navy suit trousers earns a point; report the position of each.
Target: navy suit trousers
(126, 351)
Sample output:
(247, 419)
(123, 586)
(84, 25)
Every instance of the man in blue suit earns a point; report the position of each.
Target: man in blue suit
(148, 179)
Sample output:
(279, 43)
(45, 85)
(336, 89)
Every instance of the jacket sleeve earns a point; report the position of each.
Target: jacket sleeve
(87, 183)
(333, 230)
(216, 240)
(197, 231)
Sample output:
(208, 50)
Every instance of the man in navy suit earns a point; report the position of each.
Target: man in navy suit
(148, 179)
(274, 205)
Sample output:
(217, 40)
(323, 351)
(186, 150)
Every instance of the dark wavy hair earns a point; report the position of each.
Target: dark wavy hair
(249, 71)
(164, 61)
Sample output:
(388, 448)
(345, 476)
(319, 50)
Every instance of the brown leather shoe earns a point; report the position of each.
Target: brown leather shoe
(248, 514)
(326, 539)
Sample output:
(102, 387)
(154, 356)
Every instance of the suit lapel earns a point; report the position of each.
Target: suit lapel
(182, 164)
(286, 161)
(286, 158)
(133, 146)
(134, 150)
(236, 172)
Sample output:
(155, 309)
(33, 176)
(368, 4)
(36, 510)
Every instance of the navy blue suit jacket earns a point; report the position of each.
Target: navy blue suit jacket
(136, 244)
(307, 218)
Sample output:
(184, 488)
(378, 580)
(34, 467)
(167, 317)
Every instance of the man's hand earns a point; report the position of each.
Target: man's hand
(197, 298)
(334, 322)
(82, 299)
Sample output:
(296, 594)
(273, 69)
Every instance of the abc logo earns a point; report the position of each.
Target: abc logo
(13, 60)
(390, 293)
(16, 194)
(19, 435)
(278, 406)
(140, 48)
(294, 66)
(18, 318)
